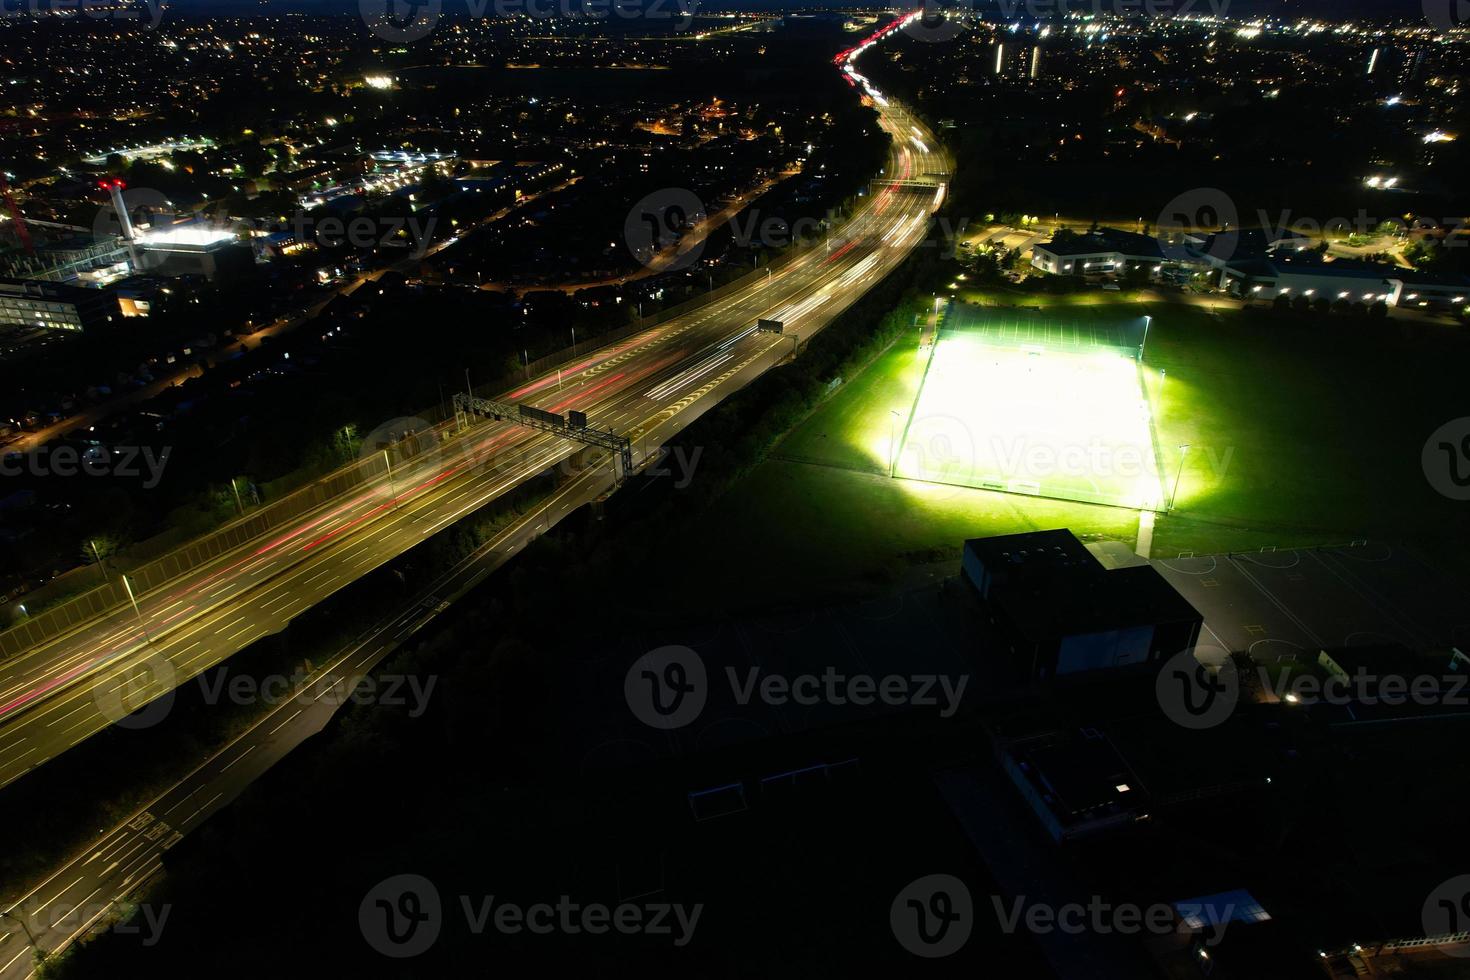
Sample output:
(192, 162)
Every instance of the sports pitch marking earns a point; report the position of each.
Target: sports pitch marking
(1035, 404)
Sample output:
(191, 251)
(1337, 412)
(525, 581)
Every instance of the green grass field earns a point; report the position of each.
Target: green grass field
(800, 530)
(1303, 434)
(852, 428)
(1299, 434)
(1047, 404)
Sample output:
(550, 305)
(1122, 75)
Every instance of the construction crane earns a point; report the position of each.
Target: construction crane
(21, 231)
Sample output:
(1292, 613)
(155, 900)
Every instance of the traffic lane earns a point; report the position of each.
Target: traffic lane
(259, 566)
(69, 719)
(21, 673)
(457, 460)
(208, 654)
(709, 316)
(674, 424)
(166, 610)
(547, 453)
(143, 838)
(121, 630)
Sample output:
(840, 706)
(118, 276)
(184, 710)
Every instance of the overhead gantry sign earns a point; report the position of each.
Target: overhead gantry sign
(573, 426)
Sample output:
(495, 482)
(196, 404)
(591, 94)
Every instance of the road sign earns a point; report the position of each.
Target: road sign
(532, 412)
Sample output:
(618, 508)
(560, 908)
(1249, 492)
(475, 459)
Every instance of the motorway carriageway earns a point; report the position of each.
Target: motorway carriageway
(57, 695)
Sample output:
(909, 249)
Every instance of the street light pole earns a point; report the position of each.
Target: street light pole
(392, 488)
(892, 441)
(101, 567)
(25, 928)
(238, 504)
(1174, 494)
(128, 587)
(1143, 348)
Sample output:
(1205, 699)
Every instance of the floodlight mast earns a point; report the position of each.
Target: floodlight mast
(1174, 494)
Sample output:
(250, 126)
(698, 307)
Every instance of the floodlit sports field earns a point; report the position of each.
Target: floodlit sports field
(1031, 404)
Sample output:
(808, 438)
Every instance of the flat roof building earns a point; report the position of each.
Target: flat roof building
(1063, 613)
(175, 250)
(1076, 783)
(1306, 274)
(57, 306)
(1429, 291)
(1098, 252)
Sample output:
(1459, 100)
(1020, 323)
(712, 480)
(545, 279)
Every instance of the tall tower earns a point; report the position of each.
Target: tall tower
(114, 186)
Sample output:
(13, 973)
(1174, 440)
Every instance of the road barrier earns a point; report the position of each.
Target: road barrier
(151, 576)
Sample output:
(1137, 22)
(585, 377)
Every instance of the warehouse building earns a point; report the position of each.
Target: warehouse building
(1062, 614)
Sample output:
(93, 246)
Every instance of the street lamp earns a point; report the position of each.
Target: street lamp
(128, 587)
(1174, 494)
(25, 928)
(892, 441)
(1143, 348)
(392, 487)
(238, 502)
(100, 565)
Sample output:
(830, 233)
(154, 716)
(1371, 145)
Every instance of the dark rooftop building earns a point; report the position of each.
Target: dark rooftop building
(1103, 250)
(1063, 613)
(1077, 784)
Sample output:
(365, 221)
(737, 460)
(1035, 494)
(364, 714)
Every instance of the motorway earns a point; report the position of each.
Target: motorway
(82, 895)
(647, 387)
